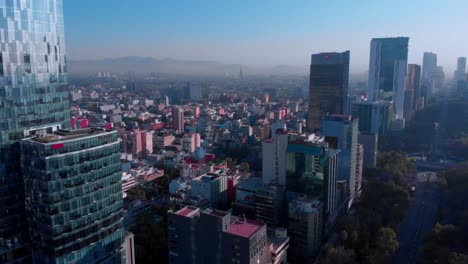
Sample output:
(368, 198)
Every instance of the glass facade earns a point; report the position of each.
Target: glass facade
(74, 196)
(312, 169)
(328, 91)
(33, 95)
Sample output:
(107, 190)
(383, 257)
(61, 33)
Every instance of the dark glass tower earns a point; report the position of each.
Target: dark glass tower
(33, 99)
(328, 90)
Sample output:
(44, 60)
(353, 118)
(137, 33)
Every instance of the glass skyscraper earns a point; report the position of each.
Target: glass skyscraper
(387, 66)
(33, 98)
(328, 91)
(73, 195)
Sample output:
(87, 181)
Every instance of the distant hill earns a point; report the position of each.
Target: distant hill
(173, 66)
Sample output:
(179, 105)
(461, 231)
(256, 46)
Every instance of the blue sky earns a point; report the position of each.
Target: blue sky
(263, 32)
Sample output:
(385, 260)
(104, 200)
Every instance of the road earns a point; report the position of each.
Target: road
(419, 219)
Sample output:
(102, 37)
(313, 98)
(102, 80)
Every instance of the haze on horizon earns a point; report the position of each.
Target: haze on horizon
(263, 33)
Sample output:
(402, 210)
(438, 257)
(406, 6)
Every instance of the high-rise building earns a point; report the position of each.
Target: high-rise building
(373, 117)
(328, 90)
(412, 92)
(429, 68)
(259, 202)
(387, 69)
(178, 121)
(273, 158)
(73, 195)
(212, 187)
(305, 226)
(33, 99)
(460, 72)
(312, 169)
(212, 236)
(341, 132)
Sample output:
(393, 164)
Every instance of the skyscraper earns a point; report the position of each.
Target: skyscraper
(413, 91)
(387, 68)
(178, 119)
(429, 69)
(460, 73)
(73, 195)
(33, 99)
(328, 87)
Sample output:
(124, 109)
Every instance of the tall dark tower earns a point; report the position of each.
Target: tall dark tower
(241, 74)
(328, 90)
(33, 100)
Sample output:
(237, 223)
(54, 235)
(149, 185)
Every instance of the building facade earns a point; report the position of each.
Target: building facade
(387, 67)
(73, 195)
(328, 87)
(178, 122)
(33, 98)
(213, 236)
(341, 132)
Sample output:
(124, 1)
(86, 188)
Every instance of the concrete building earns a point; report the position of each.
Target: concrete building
(190, 142)
(82, 170)
(328, 90)
(129, 246)
(305, 214)
(211, 236)
(212, 187)
(278, 244)
(178, 121)
(341, 132)
(259, 202)
(162, 140)
(273, 158)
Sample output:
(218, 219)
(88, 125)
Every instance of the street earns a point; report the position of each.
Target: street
(419, 219)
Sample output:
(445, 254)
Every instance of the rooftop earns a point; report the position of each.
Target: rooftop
(188, 211)
(64, 135)
(244, 227)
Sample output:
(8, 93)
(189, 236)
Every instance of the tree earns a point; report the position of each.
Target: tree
(339, 255)
(386, 242)
(244, 166)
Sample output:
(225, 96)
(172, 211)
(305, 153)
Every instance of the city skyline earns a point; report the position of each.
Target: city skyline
(258, 34)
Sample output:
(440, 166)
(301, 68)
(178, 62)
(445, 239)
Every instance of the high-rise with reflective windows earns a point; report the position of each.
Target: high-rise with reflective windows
(33, 100)
(328, 90)
(73, 192)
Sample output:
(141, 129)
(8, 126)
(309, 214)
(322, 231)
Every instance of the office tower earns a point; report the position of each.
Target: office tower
(178, 121)
(438, 80)
(369, 142)
(341, 132)
(305, 216)
(259, 202)
(212, 236)
(387, 68)
(312, 168)
(328, 90)
(273, 158)
(192, 92)
(73, 195)
(33, 98)
(460, 72)
(147, 142)
(412, 92)
(212, 187)
(373, 117)
(190, 142)
(428, 70)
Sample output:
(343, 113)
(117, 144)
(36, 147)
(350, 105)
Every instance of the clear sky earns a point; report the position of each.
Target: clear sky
(263, 32)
